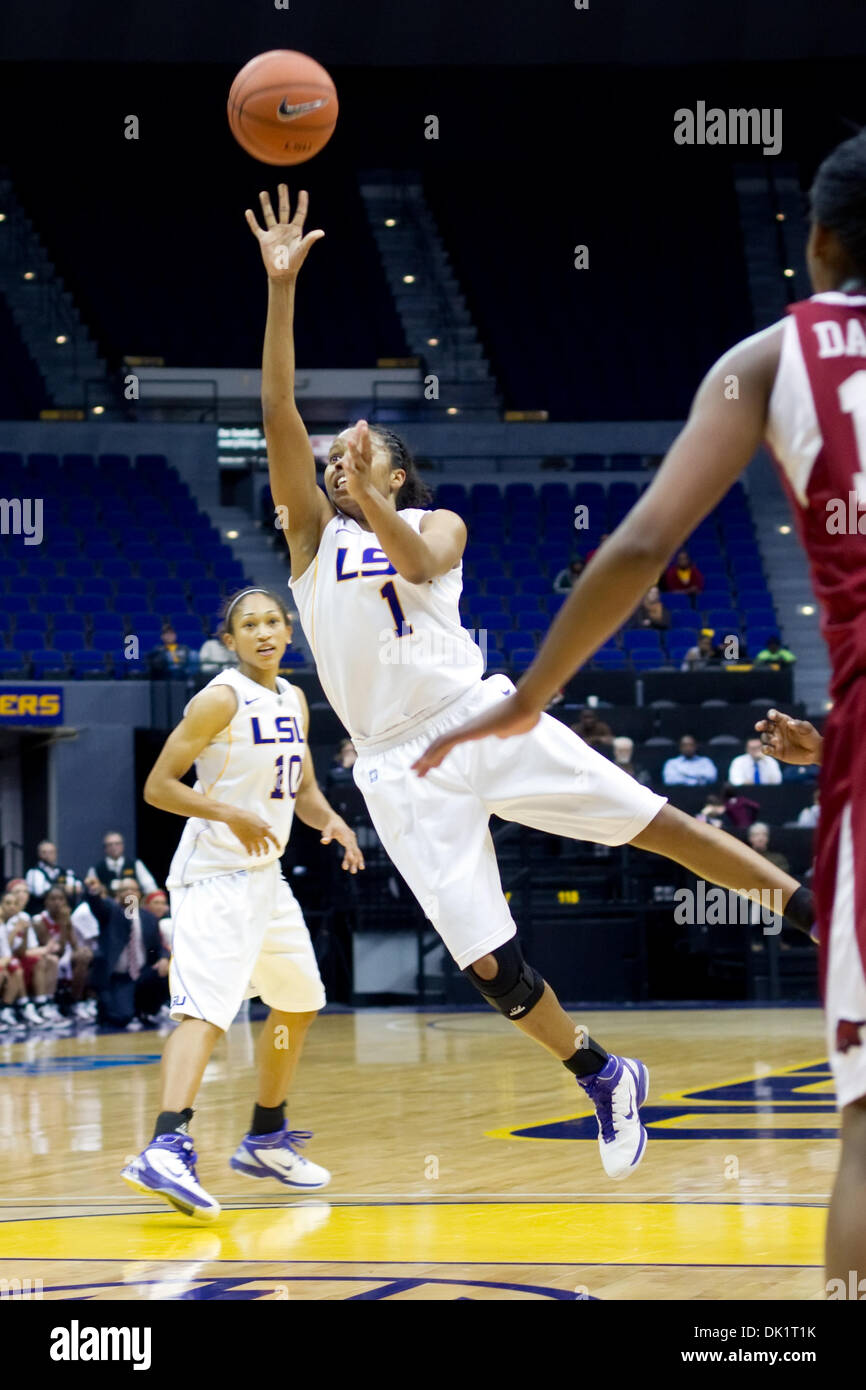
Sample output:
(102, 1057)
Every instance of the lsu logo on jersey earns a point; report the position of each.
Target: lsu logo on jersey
(374, 562)
(286, 730)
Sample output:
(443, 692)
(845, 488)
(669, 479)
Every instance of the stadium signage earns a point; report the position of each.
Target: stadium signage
(35, 705)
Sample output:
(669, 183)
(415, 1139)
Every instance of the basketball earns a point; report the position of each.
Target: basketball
(282, 107)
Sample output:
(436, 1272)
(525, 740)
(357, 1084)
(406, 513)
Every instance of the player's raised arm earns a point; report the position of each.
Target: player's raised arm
(291, 465)
(208, 715)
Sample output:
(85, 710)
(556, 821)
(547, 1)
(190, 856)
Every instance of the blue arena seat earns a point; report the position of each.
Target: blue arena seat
(47, 660)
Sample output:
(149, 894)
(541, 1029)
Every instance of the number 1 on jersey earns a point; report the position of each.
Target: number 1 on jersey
(852, 399)
(389, 594)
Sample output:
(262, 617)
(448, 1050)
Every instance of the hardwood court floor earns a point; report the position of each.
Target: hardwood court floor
(465, 1165)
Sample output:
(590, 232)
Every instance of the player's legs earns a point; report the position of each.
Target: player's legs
(186, 1054)
(846, 1219)
(286, 976)
(436, 832)
(714, 855)
(277, 1054)
(845, 1017)
(82, 959)
(551, 780)
(219, 924)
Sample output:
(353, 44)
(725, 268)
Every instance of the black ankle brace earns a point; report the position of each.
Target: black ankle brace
(170, 1120)
(588, 1059)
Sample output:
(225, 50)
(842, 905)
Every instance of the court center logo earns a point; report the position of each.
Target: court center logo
(794, 1103)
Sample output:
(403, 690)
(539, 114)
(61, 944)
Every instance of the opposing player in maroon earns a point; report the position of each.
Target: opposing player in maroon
(800, 387)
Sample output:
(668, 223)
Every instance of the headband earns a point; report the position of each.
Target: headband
(254, 589)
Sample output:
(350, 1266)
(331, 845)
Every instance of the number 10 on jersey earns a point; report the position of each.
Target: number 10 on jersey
(292, 775)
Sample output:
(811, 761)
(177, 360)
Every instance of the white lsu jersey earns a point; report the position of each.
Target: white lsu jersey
(389, 654)
(256, 763)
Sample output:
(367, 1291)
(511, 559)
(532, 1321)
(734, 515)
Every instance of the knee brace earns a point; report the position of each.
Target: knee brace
(516, 988)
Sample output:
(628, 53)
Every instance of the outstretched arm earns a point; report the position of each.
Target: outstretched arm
(724, 429)
(790, 740)
(302, 506)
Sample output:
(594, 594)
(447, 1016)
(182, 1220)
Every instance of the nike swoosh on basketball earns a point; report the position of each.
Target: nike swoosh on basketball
(290, 112)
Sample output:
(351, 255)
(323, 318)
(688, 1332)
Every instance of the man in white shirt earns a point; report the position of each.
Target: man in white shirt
(116, 865)
(46, 874)
(690, 769)
(754, 767)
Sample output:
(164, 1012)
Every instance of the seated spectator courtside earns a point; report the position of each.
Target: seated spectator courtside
(689, 768)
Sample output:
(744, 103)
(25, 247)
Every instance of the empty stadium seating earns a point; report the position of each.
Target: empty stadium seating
(125, 548)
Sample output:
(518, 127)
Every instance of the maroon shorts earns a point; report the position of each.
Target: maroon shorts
(840, 890)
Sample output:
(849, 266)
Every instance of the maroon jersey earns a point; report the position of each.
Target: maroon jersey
(816, 429)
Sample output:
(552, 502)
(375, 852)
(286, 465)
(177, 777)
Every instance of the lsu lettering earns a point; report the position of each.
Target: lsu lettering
(373, 562)
(286, 730)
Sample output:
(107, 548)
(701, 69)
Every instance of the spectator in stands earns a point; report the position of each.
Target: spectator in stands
(55, 931)
(809, 814)
(158, 904)
(131, 968)
(623, 755)
(567, 577)
(705, 654)
(774, 654)
(593, 730)
(38, 966)
(170, 656)
(652, 613)
(713, 811)
(740, 810)
(683, 576)
(115, 864)
(47, 874)
(754, 767)
(214, 656)
(759, 838)
(689, 768)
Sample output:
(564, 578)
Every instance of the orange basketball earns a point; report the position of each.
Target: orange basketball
(282, 107)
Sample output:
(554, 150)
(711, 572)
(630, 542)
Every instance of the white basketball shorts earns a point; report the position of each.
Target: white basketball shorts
(845, 985)
(237, 935)
(435, 829)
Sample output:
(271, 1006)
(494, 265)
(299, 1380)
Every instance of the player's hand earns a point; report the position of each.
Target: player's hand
(357, 461)
(790, 740)
(161, 967)
(282, 242)
(255, 835)
(510, 717)
(337, 829)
